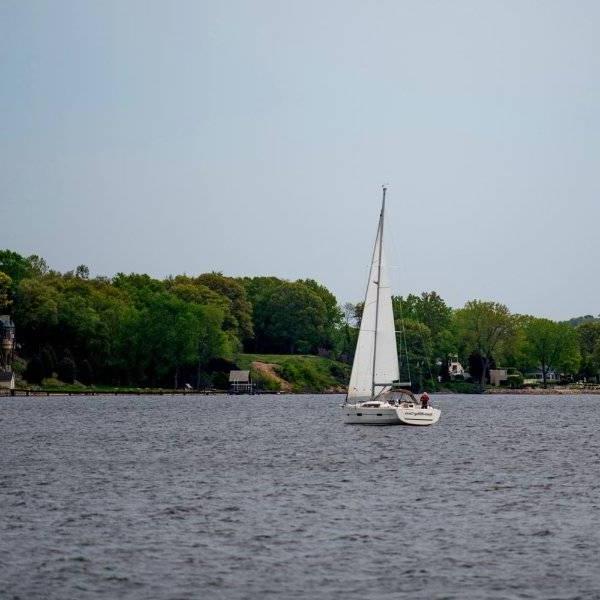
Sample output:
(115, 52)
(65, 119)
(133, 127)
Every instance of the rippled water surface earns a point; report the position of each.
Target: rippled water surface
(272, 496)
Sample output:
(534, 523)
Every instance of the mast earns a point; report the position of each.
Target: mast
(381, 217)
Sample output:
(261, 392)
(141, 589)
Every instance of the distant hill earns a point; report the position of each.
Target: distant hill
(575, 321)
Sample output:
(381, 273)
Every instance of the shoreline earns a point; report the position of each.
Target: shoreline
(23, 393)
(543, 392)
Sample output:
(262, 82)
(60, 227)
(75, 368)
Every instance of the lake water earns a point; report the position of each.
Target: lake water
(273, 496)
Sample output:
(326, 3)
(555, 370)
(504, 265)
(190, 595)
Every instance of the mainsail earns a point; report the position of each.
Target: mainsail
(375, 365)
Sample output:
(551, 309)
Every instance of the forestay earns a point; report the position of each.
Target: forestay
(375, 365)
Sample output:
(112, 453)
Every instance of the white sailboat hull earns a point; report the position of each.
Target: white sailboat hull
(354, 414)
(387, 414)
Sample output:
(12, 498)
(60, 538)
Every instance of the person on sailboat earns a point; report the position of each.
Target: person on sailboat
(424, 400)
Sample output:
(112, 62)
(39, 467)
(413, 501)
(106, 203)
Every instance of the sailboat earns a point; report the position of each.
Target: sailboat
(375, 394)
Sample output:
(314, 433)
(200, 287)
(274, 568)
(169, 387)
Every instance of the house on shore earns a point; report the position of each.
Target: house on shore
(7, 351)
(7, 341)
(7, 380)
(538, 377)
(498, 376)
(455, 368)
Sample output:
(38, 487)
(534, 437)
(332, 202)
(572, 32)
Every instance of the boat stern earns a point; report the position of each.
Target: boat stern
(418, 416)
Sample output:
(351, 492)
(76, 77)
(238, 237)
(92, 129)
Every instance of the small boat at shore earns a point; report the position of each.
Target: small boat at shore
(375, 394)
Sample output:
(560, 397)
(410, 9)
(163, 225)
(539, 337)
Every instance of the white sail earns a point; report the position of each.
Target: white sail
(375, 364)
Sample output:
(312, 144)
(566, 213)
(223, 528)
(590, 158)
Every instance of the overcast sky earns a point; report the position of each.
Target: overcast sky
(253, 138)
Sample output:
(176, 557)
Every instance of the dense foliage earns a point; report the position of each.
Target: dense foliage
(137, 330)
(134, 330)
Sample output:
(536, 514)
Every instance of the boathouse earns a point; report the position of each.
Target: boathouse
(240, 382)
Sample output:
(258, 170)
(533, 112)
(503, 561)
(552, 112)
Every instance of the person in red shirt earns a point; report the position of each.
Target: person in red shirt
(424, 400)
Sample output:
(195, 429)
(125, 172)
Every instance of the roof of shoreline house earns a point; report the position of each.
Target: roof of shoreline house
(239, 376)
(6, 375)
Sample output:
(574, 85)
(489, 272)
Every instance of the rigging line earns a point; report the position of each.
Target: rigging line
(399, 267)
(405, 344)
(365, 304)
(428, 349)
(379, 258)
(427, 353)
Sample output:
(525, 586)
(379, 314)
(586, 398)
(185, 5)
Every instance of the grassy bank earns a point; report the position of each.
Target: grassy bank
(296, 373)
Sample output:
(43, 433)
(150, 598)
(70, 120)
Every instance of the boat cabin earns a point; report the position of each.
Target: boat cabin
(395, 398)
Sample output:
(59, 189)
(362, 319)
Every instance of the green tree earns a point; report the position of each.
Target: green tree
(65, 369)
(476, 366)
(589, 346)
(346, 334)
(485, 328)
(552, 345)
(240, 319)
(86, 374)
(175, 333)
(358, 312)
(212, 341)
(414, 351)
(429, 308)
(38, 267)
(130, 329)
(596, 361)
(191, 291)
(350, 314)
(445, 347)
(298, 319)
(48, 359)
(288, 317)
(79, 323)
(5, 292)
(432, 311)
(14, 265)
(35, 312)
(128, 360)
(515, 352)
(137, 286)
(34, 373)
(576, 321)
(82, 272)
(334, 316)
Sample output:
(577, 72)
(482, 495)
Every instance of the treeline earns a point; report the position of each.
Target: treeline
(485, 335)
(134, 330)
